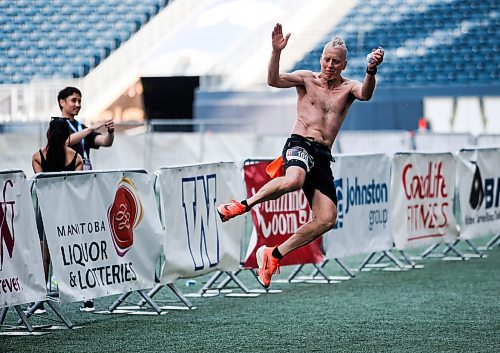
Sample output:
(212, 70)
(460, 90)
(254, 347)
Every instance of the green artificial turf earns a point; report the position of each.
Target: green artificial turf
(448, 306)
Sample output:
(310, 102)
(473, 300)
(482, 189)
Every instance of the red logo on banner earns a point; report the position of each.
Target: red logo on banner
(124, 215)
(427, 194)
(6, 237)
(276, 220)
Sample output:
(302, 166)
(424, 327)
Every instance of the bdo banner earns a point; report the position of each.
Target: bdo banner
(21, 266)
(196, 241)
(276, 220)
(103, 230)
(362, 183)
(478, 183)
(422, 192)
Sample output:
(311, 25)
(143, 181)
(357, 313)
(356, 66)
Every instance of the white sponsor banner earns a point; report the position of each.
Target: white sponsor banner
(478, 180)
(21, 267)
(103, 230)
(422, 191)
(196, 241)
(362, 183)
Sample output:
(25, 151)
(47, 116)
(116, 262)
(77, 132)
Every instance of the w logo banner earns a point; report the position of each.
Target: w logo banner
(196, 242)
(6, 235)
(199, 198)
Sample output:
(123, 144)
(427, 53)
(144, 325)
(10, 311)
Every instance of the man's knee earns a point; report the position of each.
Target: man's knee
(327, 221)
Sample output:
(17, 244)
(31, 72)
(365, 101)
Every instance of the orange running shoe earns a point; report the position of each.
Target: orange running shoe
(268, 265)
(229, 210)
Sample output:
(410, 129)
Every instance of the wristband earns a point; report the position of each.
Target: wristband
(111, 132)
(371, 72)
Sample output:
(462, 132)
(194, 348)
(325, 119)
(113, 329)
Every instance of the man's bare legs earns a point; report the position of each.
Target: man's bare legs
(292, 181)
(324, 217)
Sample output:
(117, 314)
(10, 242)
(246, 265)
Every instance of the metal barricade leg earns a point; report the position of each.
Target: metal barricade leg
(394, 259)
(449, 248)
(23, 318)
(294, 273)
(3, 314)
(452, 247)
(210, 282)
(429, 250)
(151, 293)
(492, 242)
(407, 259)
(344, 267)
(119, 301)
(149, 301)
(59, 313)
(179, 295)
(474, 248)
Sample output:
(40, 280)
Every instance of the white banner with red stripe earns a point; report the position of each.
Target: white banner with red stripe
(21, 268)
(362, 183)
(103, 231)
(196, 242)
(478, 183)
(276, 220)
(422, 191)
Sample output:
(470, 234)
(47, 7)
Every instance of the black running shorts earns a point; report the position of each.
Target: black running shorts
(315, 159)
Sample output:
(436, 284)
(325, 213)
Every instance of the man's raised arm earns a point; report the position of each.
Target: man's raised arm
(364, 91)
(274, 78)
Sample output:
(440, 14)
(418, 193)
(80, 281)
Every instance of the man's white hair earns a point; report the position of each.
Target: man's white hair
(337, 42)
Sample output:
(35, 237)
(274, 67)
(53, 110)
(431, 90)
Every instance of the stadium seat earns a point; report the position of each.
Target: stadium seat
(451, 33)
(37, 31)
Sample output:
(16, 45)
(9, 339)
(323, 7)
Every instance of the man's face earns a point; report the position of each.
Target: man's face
(71, 105)
(333, 62)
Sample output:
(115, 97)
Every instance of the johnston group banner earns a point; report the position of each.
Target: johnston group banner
(21, 268)
(478, 180)
(196, 241)
(103, 230)
(275, 221)
(422, 191)
(362, 183)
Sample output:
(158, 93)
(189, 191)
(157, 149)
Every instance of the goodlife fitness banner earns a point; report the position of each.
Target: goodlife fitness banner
(422, 190)
(478, 180)
(362, 183)
(103, 230)
(21, 267)
(276, 220)
(196, 241)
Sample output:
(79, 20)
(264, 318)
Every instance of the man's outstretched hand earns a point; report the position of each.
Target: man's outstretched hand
(377, 55)
(279, 42)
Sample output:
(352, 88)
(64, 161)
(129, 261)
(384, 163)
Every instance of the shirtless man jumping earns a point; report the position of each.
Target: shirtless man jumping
(323, 100)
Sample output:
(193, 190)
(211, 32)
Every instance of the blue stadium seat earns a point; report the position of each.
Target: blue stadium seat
(465, 35)
(36, 34)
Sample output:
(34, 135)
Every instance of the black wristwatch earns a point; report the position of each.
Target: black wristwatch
(371, 72)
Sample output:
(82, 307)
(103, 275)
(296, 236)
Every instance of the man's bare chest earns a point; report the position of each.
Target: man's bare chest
(328, 101)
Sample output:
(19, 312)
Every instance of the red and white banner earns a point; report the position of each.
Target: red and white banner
(422, 191)
(21, 267)
(196, 242)
(478, 183)
(362, 183)
(103, 231)
(276, 220)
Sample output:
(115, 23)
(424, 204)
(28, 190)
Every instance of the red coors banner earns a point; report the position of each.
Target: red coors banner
(276, 220)
(423, 186)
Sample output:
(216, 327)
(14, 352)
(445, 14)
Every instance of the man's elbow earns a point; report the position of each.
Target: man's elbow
(365, 97)
(272, 82)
